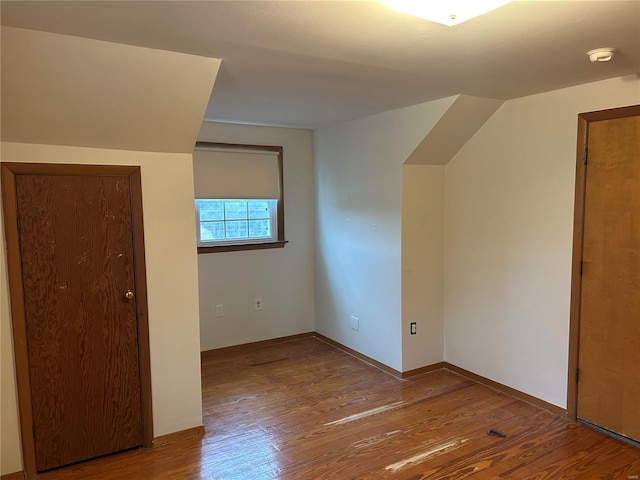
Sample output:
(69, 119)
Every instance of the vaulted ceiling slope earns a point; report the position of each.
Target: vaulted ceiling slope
(459, 123)
(310, 63)
(64, 90)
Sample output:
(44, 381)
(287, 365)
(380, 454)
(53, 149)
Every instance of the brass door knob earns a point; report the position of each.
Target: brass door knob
(128, 294)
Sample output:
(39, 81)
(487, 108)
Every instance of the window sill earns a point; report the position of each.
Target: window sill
(242, 246)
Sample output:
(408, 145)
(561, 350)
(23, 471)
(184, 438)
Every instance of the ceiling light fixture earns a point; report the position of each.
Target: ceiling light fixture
(601, 54)
(451, 13)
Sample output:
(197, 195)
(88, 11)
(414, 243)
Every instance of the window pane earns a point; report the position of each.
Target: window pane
(235, 221)
(259, 228)
(235, 210)
(259, 209)
(211, 209)
(236, 229)
(211, 231)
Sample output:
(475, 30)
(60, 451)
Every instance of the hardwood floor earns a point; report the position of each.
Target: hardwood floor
(304, 410)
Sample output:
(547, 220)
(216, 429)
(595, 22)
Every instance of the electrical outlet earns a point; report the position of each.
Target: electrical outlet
(413, 328)
(355, 323)
(219, 310)
(257, 304)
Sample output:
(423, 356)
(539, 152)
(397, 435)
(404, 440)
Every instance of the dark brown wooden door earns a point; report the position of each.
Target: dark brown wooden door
(77, 259)
(609, 351)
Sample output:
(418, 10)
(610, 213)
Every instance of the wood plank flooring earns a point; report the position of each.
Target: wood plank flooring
(304, 410)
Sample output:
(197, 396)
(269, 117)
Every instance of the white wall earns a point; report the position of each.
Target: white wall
(169, 229)
(358, 175)
(282, 277)
(422, 265)
(508, 234)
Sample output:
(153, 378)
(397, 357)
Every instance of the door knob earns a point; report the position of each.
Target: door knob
(128, 294)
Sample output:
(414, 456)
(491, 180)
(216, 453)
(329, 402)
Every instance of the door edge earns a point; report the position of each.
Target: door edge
(18, 321)
(142, 309)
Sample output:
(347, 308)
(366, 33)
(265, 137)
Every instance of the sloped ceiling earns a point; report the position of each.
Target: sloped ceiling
(312, 63)
(63, 90)
(460, 122)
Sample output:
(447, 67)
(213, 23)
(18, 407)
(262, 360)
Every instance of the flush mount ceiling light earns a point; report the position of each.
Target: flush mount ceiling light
(601, 54)
(451, 13)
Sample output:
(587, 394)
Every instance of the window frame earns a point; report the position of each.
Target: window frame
(279, 239)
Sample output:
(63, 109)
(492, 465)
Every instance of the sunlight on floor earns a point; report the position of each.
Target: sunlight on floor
(253, 454)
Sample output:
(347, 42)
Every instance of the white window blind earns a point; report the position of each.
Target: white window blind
(236, 173)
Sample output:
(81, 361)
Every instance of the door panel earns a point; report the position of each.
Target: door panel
(609, 341)
(77, 262)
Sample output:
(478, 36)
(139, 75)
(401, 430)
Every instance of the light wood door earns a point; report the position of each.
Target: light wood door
(77, 256)
(609, 340)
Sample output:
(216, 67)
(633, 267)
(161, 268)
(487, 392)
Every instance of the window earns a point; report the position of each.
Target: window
(236, 221)
(238, 197)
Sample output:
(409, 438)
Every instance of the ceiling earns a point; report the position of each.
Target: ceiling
(311, 63)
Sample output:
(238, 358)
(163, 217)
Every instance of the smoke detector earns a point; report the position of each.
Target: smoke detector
(601, 54)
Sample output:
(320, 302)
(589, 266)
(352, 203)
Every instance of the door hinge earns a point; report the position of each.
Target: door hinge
(581, 267)
(577, 375)
(584, 157)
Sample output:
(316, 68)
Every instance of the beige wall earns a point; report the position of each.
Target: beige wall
(508, 233)
(169, 228)
(422, 265)
(282, 277)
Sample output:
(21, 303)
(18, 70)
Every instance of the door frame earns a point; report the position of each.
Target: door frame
(8, 172)
(584, 119)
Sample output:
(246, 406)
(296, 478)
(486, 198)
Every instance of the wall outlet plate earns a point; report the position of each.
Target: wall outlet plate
(413, 330)
(355, 323)
(219, 310)
(257, 304)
